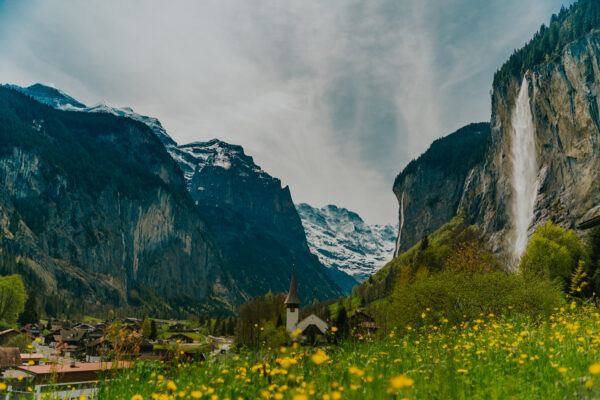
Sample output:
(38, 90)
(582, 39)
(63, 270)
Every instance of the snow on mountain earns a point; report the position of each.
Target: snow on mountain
(343, 241)
(50, 96)
(61, 101)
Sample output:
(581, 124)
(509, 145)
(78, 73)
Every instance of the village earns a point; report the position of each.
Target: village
(69, 359)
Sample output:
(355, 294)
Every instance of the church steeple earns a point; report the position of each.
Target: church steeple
(293, 300)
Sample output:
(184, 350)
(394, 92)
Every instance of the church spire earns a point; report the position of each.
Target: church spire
(292, 299)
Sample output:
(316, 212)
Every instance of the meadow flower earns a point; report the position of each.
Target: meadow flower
(137, 397)
(594, 368)
(319, 357)
(401, 381)
(300, 396)
(171, 386)
(196, 394)
(354, 370)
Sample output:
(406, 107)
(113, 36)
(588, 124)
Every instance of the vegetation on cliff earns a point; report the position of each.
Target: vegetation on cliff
(568, 25)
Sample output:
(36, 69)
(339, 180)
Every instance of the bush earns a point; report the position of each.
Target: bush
(21, 341)
(464, 296)
(553, 253)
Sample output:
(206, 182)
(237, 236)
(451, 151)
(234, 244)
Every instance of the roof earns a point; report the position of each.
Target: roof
(311, 320)
(292, 297)
(79, 367)
(34, 356)
(9, 331)
(590, 223)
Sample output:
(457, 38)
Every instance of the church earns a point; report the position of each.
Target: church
(311, 326)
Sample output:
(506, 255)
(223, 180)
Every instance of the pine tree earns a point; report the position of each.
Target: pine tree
(30, 314)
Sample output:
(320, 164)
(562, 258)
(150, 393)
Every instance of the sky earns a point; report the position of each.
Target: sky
(333, 97)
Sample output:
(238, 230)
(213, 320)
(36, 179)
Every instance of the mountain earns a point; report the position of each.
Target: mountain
(542, 159)
(431, 189)
(254, 220)
(249, 215)
(94, 206)
(345, 243)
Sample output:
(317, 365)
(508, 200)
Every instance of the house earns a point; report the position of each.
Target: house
(177, 327)
(31, 358)
(312, 328)
(71, 373)
(10, 357)
(363, 324)
(181, 338)
(8, 334)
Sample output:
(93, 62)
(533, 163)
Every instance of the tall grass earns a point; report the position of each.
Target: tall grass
(492, 357)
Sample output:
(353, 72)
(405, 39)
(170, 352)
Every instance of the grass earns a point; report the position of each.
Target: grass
(490, 358)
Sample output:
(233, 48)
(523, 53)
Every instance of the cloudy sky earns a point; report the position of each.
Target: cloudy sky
(334, 97)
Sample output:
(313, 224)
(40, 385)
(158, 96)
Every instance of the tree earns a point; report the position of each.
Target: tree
(552, 253)
(341, 320)
(146, 328)
(30, 315)
(593, 265)
(12, 298)
(153, 333)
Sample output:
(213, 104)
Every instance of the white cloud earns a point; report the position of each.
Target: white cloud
(332, 97)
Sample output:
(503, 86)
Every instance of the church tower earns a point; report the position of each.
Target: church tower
(292, 302)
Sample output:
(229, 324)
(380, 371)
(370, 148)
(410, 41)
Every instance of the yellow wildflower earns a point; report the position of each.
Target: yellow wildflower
(196, 394)
(401, 381)
(595, 369)
(171, 386)
(319, 357)
(137, 397)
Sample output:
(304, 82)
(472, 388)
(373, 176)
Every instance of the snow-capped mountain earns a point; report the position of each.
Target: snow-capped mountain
(251, 216)
(61, 101)
(343, 241)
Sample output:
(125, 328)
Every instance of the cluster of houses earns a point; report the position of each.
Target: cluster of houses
(85, 352)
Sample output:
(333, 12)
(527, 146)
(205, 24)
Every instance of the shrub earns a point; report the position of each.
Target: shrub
(552, 253)
(462, 296)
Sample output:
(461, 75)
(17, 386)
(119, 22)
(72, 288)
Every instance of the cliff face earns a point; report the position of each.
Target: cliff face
(95, 206)
(254, 221)
(560, 100)
(566, 130)
(431, 189)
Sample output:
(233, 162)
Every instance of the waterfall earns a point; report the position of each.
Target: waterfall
(524, 169)
(397, 251)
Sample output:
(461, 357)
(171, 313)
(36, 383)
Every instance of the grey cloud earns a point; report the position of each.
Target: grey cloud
(334, 97)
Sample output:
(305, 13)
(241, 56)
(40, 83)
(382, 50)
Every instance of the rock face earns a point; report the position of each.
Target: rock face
(251, 217)
(254, 220)
(94, 205)
(345, 243)
(563, 100)
(564, 107)
(431, 189)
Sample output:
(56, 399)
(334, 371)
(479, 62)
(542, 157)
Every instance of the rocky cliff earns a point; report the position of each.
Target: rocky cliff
(563, 104)
(254, 220)
(431, 189)
(95, 205)
(543, 148)
(345, 243)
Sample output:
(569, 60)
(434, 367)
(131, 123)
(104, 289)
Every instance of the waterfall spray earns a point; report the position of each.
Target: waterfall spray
(524, 169)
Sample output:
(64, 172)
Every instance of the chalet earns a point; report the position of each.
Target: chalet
(71, 373)
(178, 327)
(363, 324)
(10, 357)
(311, 328)
(31, 358)
(181, 338)
(8, 334)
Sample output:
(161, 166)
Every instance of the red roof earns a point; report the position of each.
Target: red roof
(79, 367)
